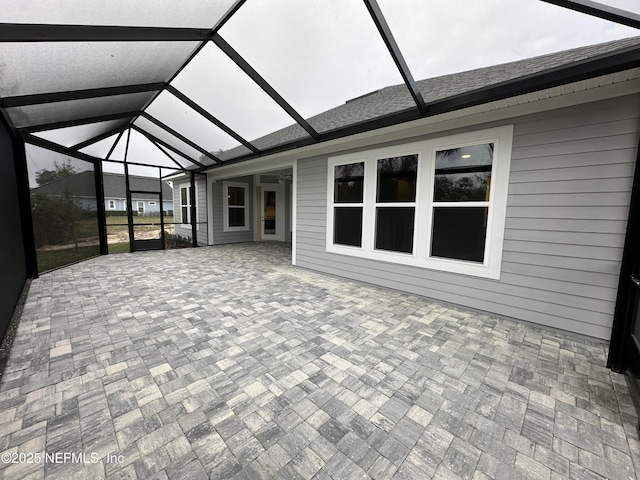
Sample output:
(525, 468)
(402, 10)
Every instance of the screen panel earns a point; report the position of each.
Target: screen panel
(100, 149)
(330, 48)
(182, 118)
(146, 13)
(141, 150)
(34, 115)
(70, 136)
(476, 36)
(45, 67)
(63, 207)
(219, 86)
(165, 136)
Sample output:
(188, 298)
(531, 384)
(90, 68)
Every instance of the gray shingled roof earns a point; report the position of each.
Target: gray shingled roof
(396, 98)
(82, 185)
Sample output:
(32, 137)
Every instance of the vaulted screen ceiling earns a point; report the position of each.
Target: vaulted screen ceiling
(196, 84)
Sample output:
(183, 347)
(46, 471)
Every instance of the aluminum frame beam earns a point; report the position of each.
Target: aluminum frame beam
(263, 84)
(155, 139)
(396, 53)
(97, 138)
(166, 154)
(22, 32)
(574, 72)
(40, 98)
(181, 96)
(596, 9)
(55, 147)
(115, 144)
(79, 121)
(181, 137)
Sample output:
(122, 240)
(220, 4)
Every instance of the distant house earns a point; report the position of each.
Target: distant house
(82, 187)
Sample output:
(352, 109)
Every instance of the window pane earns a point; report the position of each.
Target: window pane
(236, 196)
(236, 217)
(185, 214)
(349, 182)
(397, 179)
(394, 229)
(184, 196)
(459, 233)
(347, 226)
(269, 213)
(463, 174)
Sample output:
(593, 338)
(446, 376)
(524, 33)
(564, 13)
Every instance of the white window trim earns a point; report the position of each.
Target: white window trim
(109, 203)
(151, 203)
(502, 137)
(138, 203)
(179, 223)
(225, 206)
(188, 204)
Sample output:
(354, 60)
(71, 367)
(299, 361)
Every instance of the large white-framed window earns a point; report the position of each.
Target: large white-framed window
(235, 206)
(111, 204)
(437, 204)
(140, 207)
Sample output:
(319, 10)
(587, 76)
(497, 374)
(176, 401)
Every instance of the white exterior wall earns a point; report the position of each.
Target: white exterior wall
(569, 191)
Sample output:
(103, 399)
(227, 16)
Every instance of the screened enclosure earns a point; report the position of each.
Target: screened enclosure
(115, 99)
(201, 84)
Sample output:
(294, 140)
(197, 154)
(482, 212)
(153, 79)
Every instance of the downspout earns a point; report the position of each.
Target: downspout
(621, 330)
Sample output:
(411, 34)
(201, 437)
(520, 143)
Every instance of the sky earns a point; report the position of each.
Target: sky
(320, 53)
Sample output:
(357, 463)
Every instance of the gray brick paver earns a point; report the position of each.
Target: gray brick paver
(226, 362)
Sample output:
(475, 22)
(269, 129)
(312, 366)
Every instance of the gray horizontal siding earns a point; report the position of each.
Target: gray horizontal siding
(566, 238)
(568, 225)
(569, 191)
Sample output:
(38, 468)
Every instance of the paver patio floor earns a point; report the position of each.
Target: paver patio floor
(228, 363)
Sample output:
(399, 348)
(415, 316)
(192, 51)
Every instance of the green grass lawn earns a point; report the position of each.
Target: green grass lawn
(50, 259)
(119, 247)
